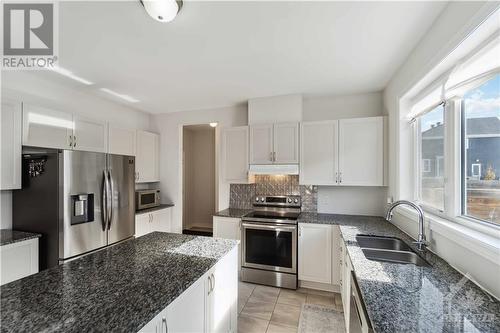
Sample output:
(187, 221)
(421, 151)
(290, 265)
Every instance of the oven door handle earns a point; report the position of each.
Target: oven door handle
(269, 226)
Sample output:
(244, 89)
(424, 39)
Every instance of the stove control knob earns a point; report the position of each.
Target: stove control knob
(289, 200)
(256, 199)
(296, 200)
(262, 199)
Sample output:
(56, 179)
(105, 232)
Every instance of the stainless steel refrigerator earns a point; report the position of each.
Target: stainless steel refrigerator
(79, 201)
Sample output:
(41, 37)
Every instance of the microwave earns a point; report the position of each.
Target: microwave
(147, 199)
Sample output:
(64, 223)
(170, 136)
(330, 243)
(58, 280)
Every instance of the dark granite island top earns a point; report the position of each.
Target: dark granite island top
(408, 298)
(118, 289)
(8, 236)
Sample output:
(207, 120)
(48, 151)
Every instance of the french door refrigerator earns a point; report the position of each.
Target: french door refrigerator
(79, 201)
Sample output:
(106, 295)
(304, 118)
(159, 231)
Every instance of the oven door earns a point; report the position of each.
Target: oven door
(269, 246)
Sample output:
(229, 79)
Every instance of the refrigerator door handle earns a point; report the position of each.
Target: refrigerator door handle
(110, 207)
(104, 201)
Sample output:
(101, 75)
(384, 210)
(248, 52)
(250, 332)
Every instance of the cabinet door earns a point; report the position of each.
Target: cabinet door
(46, 128)
(227, 227)
(361, 151)
(18, 260)
(223, 295)
(286, 143)
(319, 153)
(121, 141)
(147, 158)
(336, 239)
(11, 124)
(161, 220)
(90, 135)
(235, 154)
(187, 312)
(142, 224)
(315, 252)
(261, 144)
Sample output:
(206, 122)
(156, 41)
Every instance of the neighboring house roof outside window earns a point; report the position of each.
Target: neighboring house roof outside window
(488, 126)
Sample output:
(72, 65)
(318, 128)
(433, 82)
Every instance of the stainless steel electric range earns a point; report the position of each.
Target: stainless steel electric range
(269, 241)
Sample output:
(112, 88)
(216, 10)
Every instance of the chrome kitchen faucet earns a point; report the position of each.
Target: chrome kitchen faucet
(421, 241)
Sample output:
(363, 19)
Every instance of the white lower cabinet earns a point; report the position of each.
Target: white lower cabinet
(158, 220)
(315, 252)
(345, 286)
(208, 305)
(11, 125)
(18, 260)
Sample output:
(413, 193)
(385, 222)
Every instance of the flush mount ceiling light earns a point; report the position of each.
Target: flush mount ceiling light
(71, 75)
(162, 10)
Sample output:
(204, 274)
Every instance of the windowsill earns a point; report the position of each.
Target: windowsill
(482, 239)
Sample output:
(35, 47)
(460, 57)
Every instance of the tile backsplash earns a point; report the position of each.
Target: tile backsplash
(242, 195)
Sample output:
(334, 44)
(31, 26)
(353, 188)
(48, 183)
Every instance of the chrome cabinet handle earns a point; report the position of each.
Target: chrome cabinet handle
(340, 177)
(74, 141)
(213, 280)
(336, 177)
(70, 141)
(164, 323)
(209, 284)
(271, 156)
(300, 231)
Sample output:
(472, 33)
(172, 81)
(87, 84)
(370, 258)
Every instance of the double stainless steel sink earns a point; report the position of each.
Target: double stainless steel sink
(389, 249)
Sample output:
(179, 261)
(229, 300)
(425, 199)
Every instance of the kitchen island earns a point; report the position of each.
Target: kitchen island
(124, 288)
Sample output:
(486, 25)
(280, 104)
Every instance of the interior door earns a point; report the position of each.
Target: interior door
(261, 144)
(83, 174)
(121, 171)
(286, 143)
(90, 135)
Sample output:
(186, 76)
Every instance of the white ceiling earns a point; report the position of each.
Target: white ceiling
(223, 53)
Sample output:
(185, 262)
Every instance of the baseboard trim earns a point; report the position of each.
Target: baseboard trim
(334, 288)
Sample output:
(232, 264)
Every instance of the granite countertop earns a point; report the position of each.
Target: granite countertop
(8, 236)
(117, 289)
(408, 298)
(233, 212)
(152, 209)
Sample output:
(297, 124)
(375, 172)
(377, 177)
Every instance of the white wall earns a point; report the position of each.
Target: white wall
(347, 200)
(199, 176)
(170, 128)
(64, 95)
(455, 23)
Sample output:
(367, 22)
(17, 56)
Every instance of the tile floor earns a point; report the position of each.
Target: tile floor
(264, 309)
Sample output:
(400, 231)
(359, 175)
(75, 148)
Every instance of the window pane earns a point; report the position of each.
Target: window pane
(481, 150)
(432, 158)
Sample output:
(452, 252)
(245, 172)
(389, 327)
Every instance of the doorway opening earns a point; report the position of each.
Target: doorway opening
(199, 179)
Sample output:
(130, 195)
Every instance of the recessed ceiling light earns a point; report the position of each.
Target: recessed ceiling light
(162, 10)
(69, 74)
(122, 96)
(213, 124)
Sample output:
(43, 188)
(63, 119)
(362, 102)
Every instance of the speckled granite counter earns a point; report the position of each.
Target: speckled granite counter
(408, 298)
(118, 289)
(8, 236)
(152, 209)
(233, 212)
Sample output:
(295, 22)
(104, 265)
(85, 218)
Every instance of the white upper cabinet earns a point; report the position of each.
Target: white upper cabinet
(121, 141)
(235, 154)
(11, 144)
(47, 128)
(346, 152)
(147, 160)
(319, 153)
(261, 144)
(90, 134)
(286, 143)
(274, 143)
(361, 151)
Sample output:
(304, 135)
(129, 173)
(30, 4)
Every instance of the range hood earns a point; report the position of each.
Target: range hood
(274, 169)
